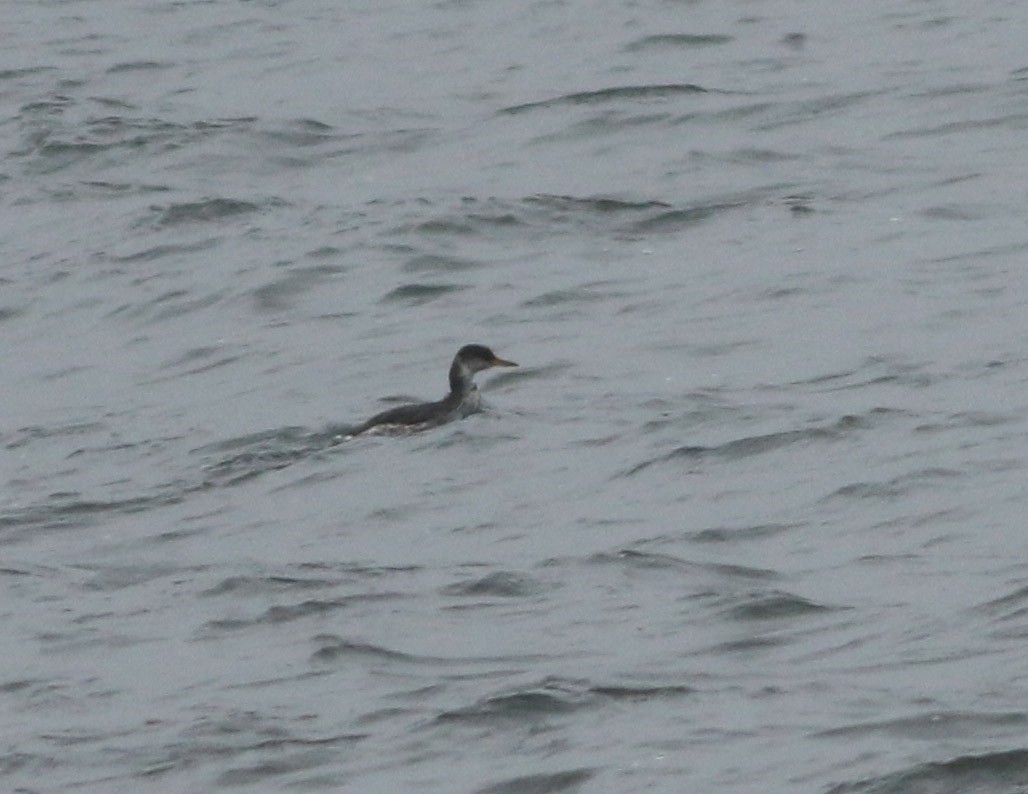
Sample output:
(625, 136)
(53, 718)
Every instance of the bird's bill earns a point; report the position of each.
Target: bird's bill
(501, 362)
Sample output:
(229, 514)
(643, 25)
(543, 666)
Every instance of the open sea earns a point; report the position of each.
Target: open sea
(750, 517)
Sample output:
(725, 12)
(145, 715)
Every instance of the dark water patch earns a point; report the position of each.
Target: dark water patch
(898, 487)
(325, 252)
(53, 147)
(435, 263)
(117, 104)
(287, 613)
(956, 212)
(100, 187)
(109, 577)
(17, 761)
(174, 535)
(164, 250)
(475, 216)
(356, 571)
(601, 205)
(500, 584)
(1013, 121)
(137, 66)
(799, 205)
(281, 293)
(53, 106)
(606, 124)
(19, 685)
(677, 40)
(739, 534)
(336, 650)
(631, 559)
(748, 155)
(449, 226)
(555, 697)
(564, 296)
(550, 698)
(248, 586)
(9, 313)
(794, 41)
(17, 74)
(544, 783)
(54, 156)
(1001, 772)
(553, 214)
(969, 419)
(751, 644)
(613, 94)
(203, 211)
(772, 605)
(64, 512)
(1012, 606)
(28, 435)
(641, 693)
(233, 123)
(279, 613)
(417, 294)
(265, 746)
(305, 132)
(679, 219)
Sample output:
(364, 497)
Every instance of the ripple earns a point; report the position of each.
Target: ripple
(247, 586)
(653, 561)
(616, 93)
(773, 605)
(998, 771)
(503, 584)
(739, 448)
(203, 211)
(546, 783)
(416, 294)
(547, 699)
(282, 292)
(434, 263)
(897, 487)
(677, 40)
(337, 649)
(286, 613)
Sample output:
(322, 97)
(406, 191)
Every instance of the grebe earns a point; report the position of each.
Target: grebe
(462, 400)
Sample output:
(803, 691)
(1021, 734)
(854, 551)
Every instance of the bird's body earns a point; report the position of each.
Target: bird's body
(462, 400)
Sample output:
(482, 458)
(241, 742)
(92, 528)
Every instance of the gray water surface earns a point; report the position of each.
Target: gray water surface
(750, 516)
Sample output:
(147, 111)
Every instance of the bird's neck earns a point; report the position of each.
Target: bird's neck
(461, 382)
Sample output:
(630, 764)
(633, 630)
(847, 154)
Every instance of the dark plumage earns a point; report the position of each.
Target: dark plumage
(462, 400)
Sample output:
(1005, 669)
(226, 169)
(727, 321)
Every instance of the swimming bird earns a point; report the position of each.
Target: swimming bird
(462, 400)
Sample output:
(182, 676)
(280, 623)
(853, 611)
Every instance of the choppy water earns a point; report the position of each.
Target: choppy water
(749, 517)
